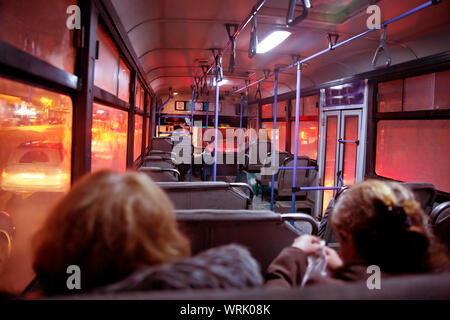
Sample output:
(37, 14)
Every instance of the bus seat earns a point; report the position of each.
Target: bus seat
(162, 143)
(425, 193)
(253, 162)
(264, 180)
(264, 233)
(304, 178)
(411, 287)
(208, 195)
(161, 174)
(440, 223)
(159, 162)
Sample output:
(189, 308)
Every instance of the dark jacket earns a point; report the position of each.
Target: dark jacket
(289, 267)
(225, 267)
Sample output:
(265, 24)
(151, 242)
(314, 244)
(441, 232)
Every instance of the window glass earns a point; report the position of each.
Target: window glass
(350, 150)
(266, 111)
(124, 81)
(311, 106)
(138, 123)
(149, 134)
(308, 138)
(442, 98)
(107, 65)
(390, 96)
(35, 164)
(109, 138)
(281, 127)
(330, 159)
(414, 151)
(29, 26)
(419, 93)
(140, 97)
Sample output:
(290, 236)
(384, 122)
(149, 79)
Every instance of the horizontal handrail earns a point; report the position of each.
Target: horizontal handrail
(243, 185)
(302, 217)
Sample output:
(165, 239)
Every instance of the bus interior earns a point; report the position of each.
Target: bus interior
(252, 116)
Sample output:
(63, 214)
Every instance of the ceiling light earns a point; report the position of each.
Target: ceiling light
(272, 40)
(221, 83)
(175, 93)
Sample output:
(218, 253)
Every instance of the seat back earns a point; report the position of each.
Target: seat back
(162, 143)
(208, 195)
(440, 223)
(264, 233)
(161, 175)
(158, 161)
(253, 161)
(304, 178)
(282, 156)
(425, 193)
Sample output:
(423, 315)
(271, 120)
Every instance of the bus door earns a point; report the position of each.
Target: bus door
(342, 150)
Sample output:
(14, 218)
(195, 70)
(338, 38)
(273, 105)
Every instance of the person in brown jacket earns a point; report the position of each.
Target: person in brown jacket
(378, 224)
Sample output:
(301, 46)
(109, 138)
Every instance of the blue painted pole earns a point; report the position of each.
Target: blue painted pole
(206, 126)
(274, 138)
(216, 124)
(297, 116)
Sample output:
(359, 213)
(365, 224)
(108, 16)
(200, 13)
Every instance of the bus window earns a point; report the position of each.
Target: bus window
(109, 138)
(308, 138)
(414, 151)
(390, 96)
(281, 127)
(35, 164)
(45, 37)
(138, 125)
(124, 81)
(140, 96)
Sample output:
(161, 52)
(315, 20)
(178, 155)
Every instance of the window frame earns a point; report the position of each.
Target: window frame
(375, 116)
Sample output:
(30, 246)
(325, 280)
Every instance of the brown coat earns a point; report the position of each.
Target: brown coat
(289, 267)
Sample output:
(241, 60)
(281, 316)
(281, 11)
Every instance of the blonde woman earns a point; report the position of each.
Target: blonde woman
(377, 223)
(119, 228)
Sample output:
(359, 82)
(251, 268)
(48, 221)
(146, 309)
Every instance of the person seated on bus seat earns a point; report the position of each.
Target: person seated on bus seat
(377, 223)
(116, 227)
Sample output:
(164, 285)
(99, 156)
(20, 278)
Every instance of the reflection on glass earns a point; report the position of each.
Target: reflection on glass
(138, 124)
(140, 95)
(390, 96)
(308, 138)
(350, 149)
(330, 159)
(414, 151)
(35, 164)
(281, 127)
(39, 28)
(109, 138)
(107, 65)
(124, 81)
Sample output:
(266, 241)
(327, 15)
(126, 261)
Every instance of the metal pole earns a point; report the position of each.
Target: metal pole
(406, 14)
(238, 151)
(160, 109)
(216, 124)
(297, 115)
(274, 138)
(206, 126)
(192, 136)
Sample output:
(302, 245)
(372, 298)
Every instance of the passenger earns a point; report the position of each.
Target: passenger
(377, 223)
(115, 225)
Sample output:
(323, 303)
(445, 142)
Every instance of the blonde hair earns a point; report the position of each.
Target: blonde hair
(388, 226)
(109, 224)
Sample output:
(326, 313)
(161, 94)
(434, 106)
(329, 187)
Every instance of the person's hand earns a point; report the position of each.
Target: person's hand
(308, 244)
(333, 260)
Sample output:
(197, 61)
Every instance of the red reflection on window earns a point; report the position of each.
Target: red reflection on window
(330, 159)
(308, 138)
(442, 99)
(138, 123)
(311, 104)
(414, 151)
(140, 96)
(107, 65)
(419, 93)
(390, 96)
(350, 149)
(109, 138)
(281, 137)
(266, 111)
(124, 81)
(35, 166)
(39, 28)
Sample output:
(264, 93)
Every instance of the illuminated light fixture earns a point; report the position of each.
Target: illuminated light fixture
(221, 83)
(175, 93)
(272, 40)
(24, 111)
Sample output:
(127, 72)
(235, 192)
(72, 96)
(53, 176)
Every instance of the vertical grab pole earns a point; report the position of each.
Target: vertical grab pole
(274, 138)
(216, 123)
(206, 130)
(191, 166)
(238, 151)
(297, 115)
